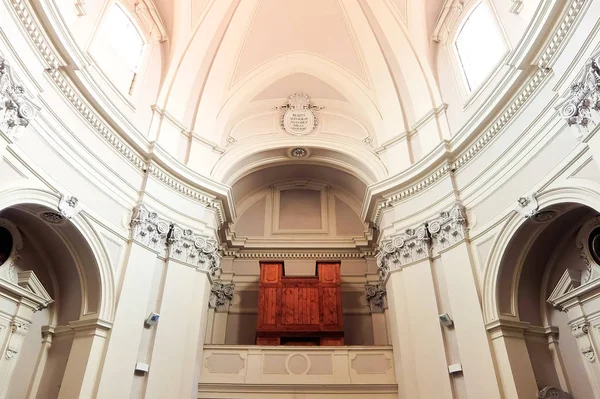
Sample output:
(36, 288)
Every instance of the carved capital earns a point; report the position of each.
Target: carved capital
(18, 331)
(403, 249)
(221, 296)
(581, 333)
(196, 250)
(449, 228)
(581, 104)
(16, 108)
(148, 228)
(376, 295)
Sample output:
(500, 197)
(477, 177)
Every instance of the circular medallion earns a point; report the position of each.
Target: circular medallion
(298, 121)
(594, 245)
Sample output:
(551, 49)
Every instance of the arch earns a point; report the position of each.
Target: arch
(21, 194)
(573, 190)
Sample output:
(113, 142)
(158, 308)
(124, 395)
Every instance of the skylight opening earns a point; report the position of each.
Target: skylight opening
(480, 46)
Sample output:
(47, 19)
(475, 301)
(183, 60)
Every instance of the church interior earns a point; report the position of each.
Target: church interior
(316, 199)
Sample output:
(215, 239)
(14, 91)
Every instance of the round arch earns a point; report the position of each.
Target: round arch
(578, 191)
(23, 194)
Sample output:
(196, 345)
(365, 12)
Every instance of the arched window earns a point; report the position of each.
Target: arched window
(480, 45)
(117, 48)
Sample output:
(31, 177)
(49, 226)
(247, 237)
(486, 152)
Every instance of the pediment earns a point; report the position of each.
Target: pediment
(30, 282)
(570, 280)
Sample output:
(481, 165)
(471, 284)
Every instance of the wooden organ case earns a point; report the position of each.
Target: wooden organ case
(300, 310)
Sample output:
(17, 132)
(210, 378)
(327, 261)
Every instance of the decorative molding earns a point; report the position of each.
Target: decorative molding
(553, 393)
(516, 7)
(248, 254)
(221, 295)
(581, 333)
(196, 250)
(592, 268)
(403, 249)
(8, 267)
(79, 7)
(146, 11)
(17, 109)
(527, 206)
(298, 116)
(30, 282)
(19, 330)
(376, 296)
(149, 229)
(581, 103)
(52, 217)
(449, 228)
(570, 280)
(69, 206)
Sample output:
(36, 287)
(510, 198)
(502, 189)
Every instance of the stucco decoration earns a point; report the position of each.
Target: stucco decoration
(194, 249)
(225, 363)
(8, 265)
(403, 249)
(69, 206)
(376, 295)
(581, 104)
(19, 330)
(449, 228)
(371, 363)
(553, 393)
(588, 243)
(148, 228)
(582, 335)
(527, 206)
(221, 295)
(298, 117)
(16, 109)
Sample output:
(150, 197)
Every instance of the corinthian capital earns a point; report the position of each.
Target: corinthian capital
(196, 250)
(16, 109)
(149, 229)
(449, 228)
(403, 249)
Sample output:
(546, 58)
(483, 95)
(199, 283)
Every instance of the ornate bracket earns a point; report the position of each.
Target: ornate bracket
(581, 333)
(221, 296)
(69, 206)
(527, 206)
(16, 109)
(18, 332)
(581, 104)
(376, 295)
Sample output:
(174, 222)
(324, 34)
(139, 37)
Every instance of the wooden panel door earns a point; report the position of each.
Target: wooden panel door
(331, 296)
(269, 296)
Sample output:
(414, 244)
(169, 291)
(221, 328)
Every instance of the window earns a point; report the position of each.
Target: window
(118, 47)
(480, 45)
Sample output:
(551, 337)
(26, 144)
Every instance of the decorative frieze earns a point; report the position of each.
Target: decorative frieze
(581, 105)
(149, 229)
(221, 295)
(16, 109)
(193, 249)
(19, 330)
(581, 333)
(376, 295)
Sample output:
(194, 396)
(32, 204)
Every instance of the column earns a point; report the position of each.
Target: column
(375, 294)
(192, 262)
(85, 359)
(448, 240)
(512, 358)
(221, 294)
(148, 241)
(419, 353)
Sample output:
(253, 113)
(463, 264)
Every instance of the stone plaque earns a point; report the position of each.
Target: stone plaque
(298, 116)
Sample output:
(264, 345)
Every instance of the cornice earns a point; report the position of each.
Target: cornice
(298, 254)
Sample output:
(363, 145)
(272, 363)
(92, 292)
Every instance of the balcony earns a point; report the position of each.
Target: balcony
(286, 372)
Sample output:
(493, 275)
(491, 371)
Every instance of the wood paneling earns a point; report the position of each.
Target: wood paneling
(304, 308)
